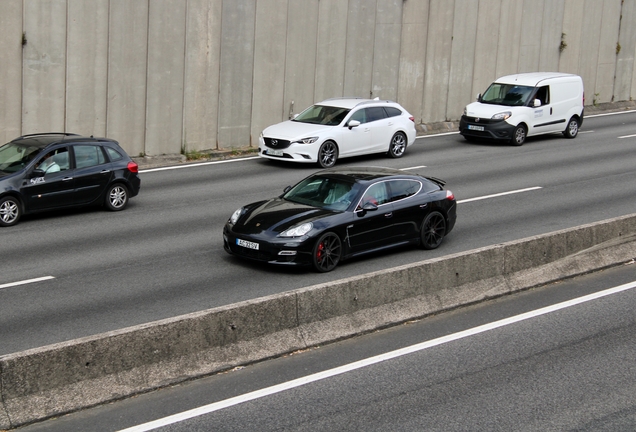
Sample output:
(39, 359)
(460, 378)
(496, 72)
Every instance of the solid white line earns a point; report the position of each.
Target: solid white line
(194, 165)
(499, 194)
(437, 134)
(609, 114)
(28, 281)
(206, 409)
(412, 168)
(627, 136)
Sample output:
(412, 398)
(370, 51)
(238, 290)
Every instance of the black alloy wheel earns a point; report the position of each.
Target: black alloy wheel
(327, 252)
(117, 197)
(10, 211)
(327, 154)
(398, 145)
(573, 128)
(433, 231)
(518, 136)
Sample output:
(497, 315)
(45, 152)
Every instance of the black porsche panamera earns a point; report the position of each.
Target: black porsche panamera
(340, 213)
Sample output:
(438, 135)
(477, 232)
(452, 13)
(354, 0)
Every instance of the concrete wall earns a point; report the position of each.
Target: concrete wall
(167, 76)
(60, 378)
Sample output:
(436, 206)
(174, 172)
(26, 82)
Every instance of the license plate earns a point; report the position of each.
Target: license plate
(247, 244)
(475, 128)
(274, 152)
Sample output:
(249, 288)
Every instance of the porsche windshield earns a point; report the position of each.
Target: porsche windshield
(323, 115)
(14, 157)
(323, 192)
(507, 94)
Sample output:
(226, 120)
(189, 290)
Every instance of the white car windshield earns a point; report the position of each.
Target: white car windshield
(323, 115)
(507, 94)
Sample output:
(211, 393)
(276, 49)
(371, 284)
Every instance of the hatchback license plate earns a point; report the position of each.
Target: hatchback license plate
(475, 128)
(274, 152)
(247, 244)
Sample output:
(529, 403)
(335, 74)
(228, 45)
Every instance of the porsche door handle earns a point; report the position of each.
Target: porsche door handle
(67, 178)
(388, 215)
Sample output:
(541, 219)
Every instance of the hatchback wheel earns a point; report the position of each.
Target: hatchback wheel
(327, 154)
(573, 128)
(10, 211)
(433, 230)
(398, 145)
(327, 252)
(117, 197)
(518, 136)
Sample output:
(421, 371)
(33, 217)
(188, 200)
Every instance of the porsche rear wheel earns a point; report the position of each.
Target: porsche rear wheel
(327, 252)
(433, 231)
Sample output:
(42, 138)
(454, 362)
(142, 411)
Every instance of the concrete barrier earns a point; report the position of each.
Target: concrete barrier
(64, 377)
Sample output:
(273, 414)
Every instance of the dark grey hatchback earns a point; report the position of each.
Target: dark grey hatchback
(47, 171)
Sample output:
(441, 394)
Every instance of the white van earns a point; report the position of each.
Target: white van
(517, 106)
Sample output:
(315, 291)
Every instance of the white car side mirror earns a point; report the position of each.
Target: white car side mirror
(536, 103)
(353, 123)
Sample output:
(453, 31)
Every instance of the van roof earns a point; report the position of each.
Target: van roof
(533, 78)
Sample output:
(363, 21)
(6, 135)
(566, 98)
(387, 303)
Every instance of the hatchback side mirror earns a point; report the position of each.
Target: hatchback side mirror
(37, 173)
(353, 123)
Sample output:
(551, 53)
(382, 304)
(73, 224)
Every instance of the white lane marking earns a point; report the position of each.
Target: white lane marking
(412, 168)
(584, 132)
(437, 134)
(206, 409)
(194, 165)
(609, 114)
(627, 136)
(499, 194)
(28, 281)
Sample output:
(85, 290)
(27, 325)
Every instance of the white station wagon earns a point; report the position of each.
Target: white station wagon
(340, 128)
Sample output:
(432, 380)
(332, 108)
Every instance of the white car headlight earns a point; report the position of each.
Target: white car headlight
(236, 215)
(309, 140)
(502, 115)
(298, 231)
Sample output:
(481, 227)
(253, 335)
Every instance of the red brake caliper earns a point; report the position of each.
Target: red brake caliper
(321, 247)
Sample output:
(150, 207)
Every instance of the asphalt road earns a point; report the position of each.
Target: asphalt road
(163, 256)
(503, 365)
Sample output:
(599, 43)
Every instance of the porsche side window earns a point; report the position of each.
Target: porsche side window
(401, 189)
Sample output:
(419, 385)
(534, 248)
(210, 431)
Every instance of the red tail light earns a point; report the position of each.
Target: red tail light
(133, 167)
(449, 195)
(412, 119)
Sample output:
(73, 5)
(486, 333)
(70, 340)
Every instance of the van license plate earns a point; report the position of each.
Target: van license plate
(247, 244)
(274, 152)
(475, 128)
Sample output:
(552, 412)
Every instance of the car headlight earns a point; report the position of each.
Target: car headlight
(502, 115)
(309, 140)
(298, 231)
(236, 215)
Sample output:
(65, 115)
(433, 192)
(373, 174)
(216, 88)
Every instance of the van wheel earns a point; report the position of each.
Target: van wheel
(518, 136)
(573, 128)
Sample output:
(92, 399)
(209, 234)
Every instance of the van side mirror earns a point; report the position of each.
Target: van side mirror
(353, 123)
(536, 103)
(478, 97)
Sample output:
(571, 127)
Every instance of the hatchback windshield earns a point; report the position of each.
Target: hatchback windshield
(322, 114)
(507, 94)
(323, 192)
(14, 156)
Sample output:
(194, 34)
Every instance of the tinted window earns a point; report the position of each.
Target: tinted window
(392, 111)
(113, 154)
(359, 115)
(376, 194)
(375, 113)
(54, 161)
(401, 189)
(88, 155)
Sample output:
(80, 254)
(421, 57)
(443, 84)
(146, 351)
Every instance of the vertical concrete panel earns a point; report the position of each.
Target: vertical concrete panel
(486, 46)
(300, 56)
(531, 29)
(570, 44)
(551, 29)
(359, 54)
(10, 70)
(201, 85)
(127, 73)
(438, 57)
(509, 41)
(464, 49)
(387, 49)
(412, 57)
(607, 50)
(330, 49)
(87, 67)
(268, 104)
(166, 65)
(44, 68)
(625, 74)
(590, 43)
(235, 81)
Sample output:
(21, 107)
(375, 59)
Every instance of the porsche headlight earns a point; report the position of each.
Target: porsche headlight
(502, 115)
(298, 231)
(309, 140)
(236, 215)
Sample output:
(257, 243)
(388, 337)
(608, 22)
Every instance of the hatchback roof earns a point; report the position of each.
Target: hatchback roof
(42, 140)
(350, 102)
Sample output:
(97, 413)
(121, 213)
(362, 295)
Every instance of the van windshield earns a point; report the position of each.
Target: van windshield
(507, 94)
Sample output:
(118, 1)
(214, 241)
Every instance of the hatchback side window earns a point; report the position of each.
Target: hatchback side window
(88, 155)
(360, 116)
(392, 111)
(401, 189)
(54, 161)
(113, 154)
(375, 113)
